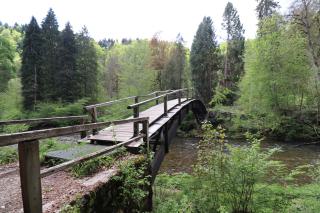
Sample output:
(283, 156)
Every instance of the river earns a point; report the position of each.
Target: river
(183, 153)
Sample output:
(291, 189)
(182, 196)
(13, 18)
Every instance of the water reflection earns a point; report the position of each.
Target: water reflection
(183, 153)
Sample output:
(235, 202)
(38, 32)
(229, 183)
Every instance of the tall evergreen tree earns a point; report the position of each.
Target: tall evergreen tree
(87, 65)
(69, 87)
(174, 70)
(204, 60)
(266, 8)
(49, 53)
(31, 65)
(233, 60)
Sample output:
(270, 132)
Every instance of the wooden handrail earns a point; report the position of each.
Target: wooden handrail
(109, 103)
(155, 98)
(43, 120)
(10, 139)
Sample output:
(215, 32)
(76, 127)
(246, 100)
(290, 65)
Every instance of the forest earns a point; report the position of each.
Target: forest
(257, 88)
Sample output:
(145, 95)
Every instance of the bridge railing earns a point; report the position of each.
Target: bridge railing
(136, 111)
(93, 109)
(82, 119)
(29, 162)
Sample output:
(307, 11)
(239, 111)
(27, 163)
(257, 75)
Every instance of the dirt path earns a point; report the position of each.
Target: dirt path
(58, 189)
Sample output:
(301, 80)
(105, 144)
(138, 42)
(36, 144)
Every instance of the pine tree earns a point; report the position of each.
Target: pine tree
(87, 65)
(204, 60)
(174, 70)
(266, 8)
(67, 76)
(49, 53)
(31, 65)
(233, 60)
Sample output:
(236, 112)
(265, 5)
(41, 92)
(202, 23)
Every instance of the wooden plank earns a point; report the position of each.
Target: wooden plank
(29, 164)
(9, 139)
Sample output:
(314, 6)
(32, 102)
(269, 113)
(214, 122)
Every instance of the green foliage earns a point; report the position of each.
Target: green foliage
(69, 86)
(230, 179)
(266, 8)
(134, 181)
(47, 84)
(87, 65)
(8, 155)
(204, 60)
(221, 96)
(45, 110)
(31, 64)
(11, 101)
(236, 179)
(7, 58)
(92, 166)
(233, 59)
(174, 69)
(278, 83)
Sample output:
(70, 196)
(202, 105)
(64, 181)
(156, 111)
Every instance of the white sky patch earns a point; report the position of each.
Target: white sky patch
(134, 18)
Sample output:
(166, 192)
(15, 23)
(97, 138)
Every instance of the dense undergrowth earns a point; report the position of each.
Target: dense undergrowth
(234, 179)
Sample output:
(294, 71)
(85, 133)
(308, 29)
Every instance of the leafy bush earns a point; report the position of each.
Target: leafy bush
(133, 186)
(45, 110)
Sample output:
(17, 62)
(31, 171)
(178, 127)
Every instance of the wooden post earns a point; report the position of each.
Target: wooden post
(136, 115)
(29, 164)
(165, 105)
(166, 138)
(94, 116)
(157, 101)
(179, 97)
(145, 130)
(84, 133)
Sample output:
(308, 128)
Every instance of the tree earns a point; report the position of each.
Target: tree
(277, 85)
(7, 57)
(305, 14)
(87, 65)
(266, 8)
(69, 87)
(49, 53)
(174, 69)
(31, 65)
(107, 43)
(159, 59)
(233, 62)
(204, 60)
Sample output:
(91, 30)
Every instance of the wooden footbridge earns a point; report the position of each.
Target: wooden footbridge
(152, 129)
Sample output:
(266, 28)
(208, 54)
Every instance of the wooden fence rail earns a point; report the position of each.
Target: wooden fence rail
(45, 120)
(165, 98)
(29, 162)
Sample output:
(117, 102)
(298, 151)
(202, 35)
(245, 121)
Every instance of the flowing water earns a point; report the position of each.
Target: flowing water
(183, 153)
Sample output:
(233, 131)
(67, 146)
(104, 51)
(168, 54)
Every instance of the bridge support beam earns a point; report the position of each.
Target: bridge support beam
(166, 138)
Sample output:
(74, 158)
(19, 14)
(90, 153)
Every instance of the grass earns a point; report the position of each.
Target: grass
(9, 154)
(174, 193)
(94, 165)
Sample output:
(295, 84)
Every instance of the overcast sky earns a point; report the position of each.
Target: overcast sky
(133, 18)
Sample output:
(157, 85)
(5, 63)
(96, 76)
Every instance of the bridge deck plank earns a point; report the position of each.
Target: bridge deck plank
(124, 132)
